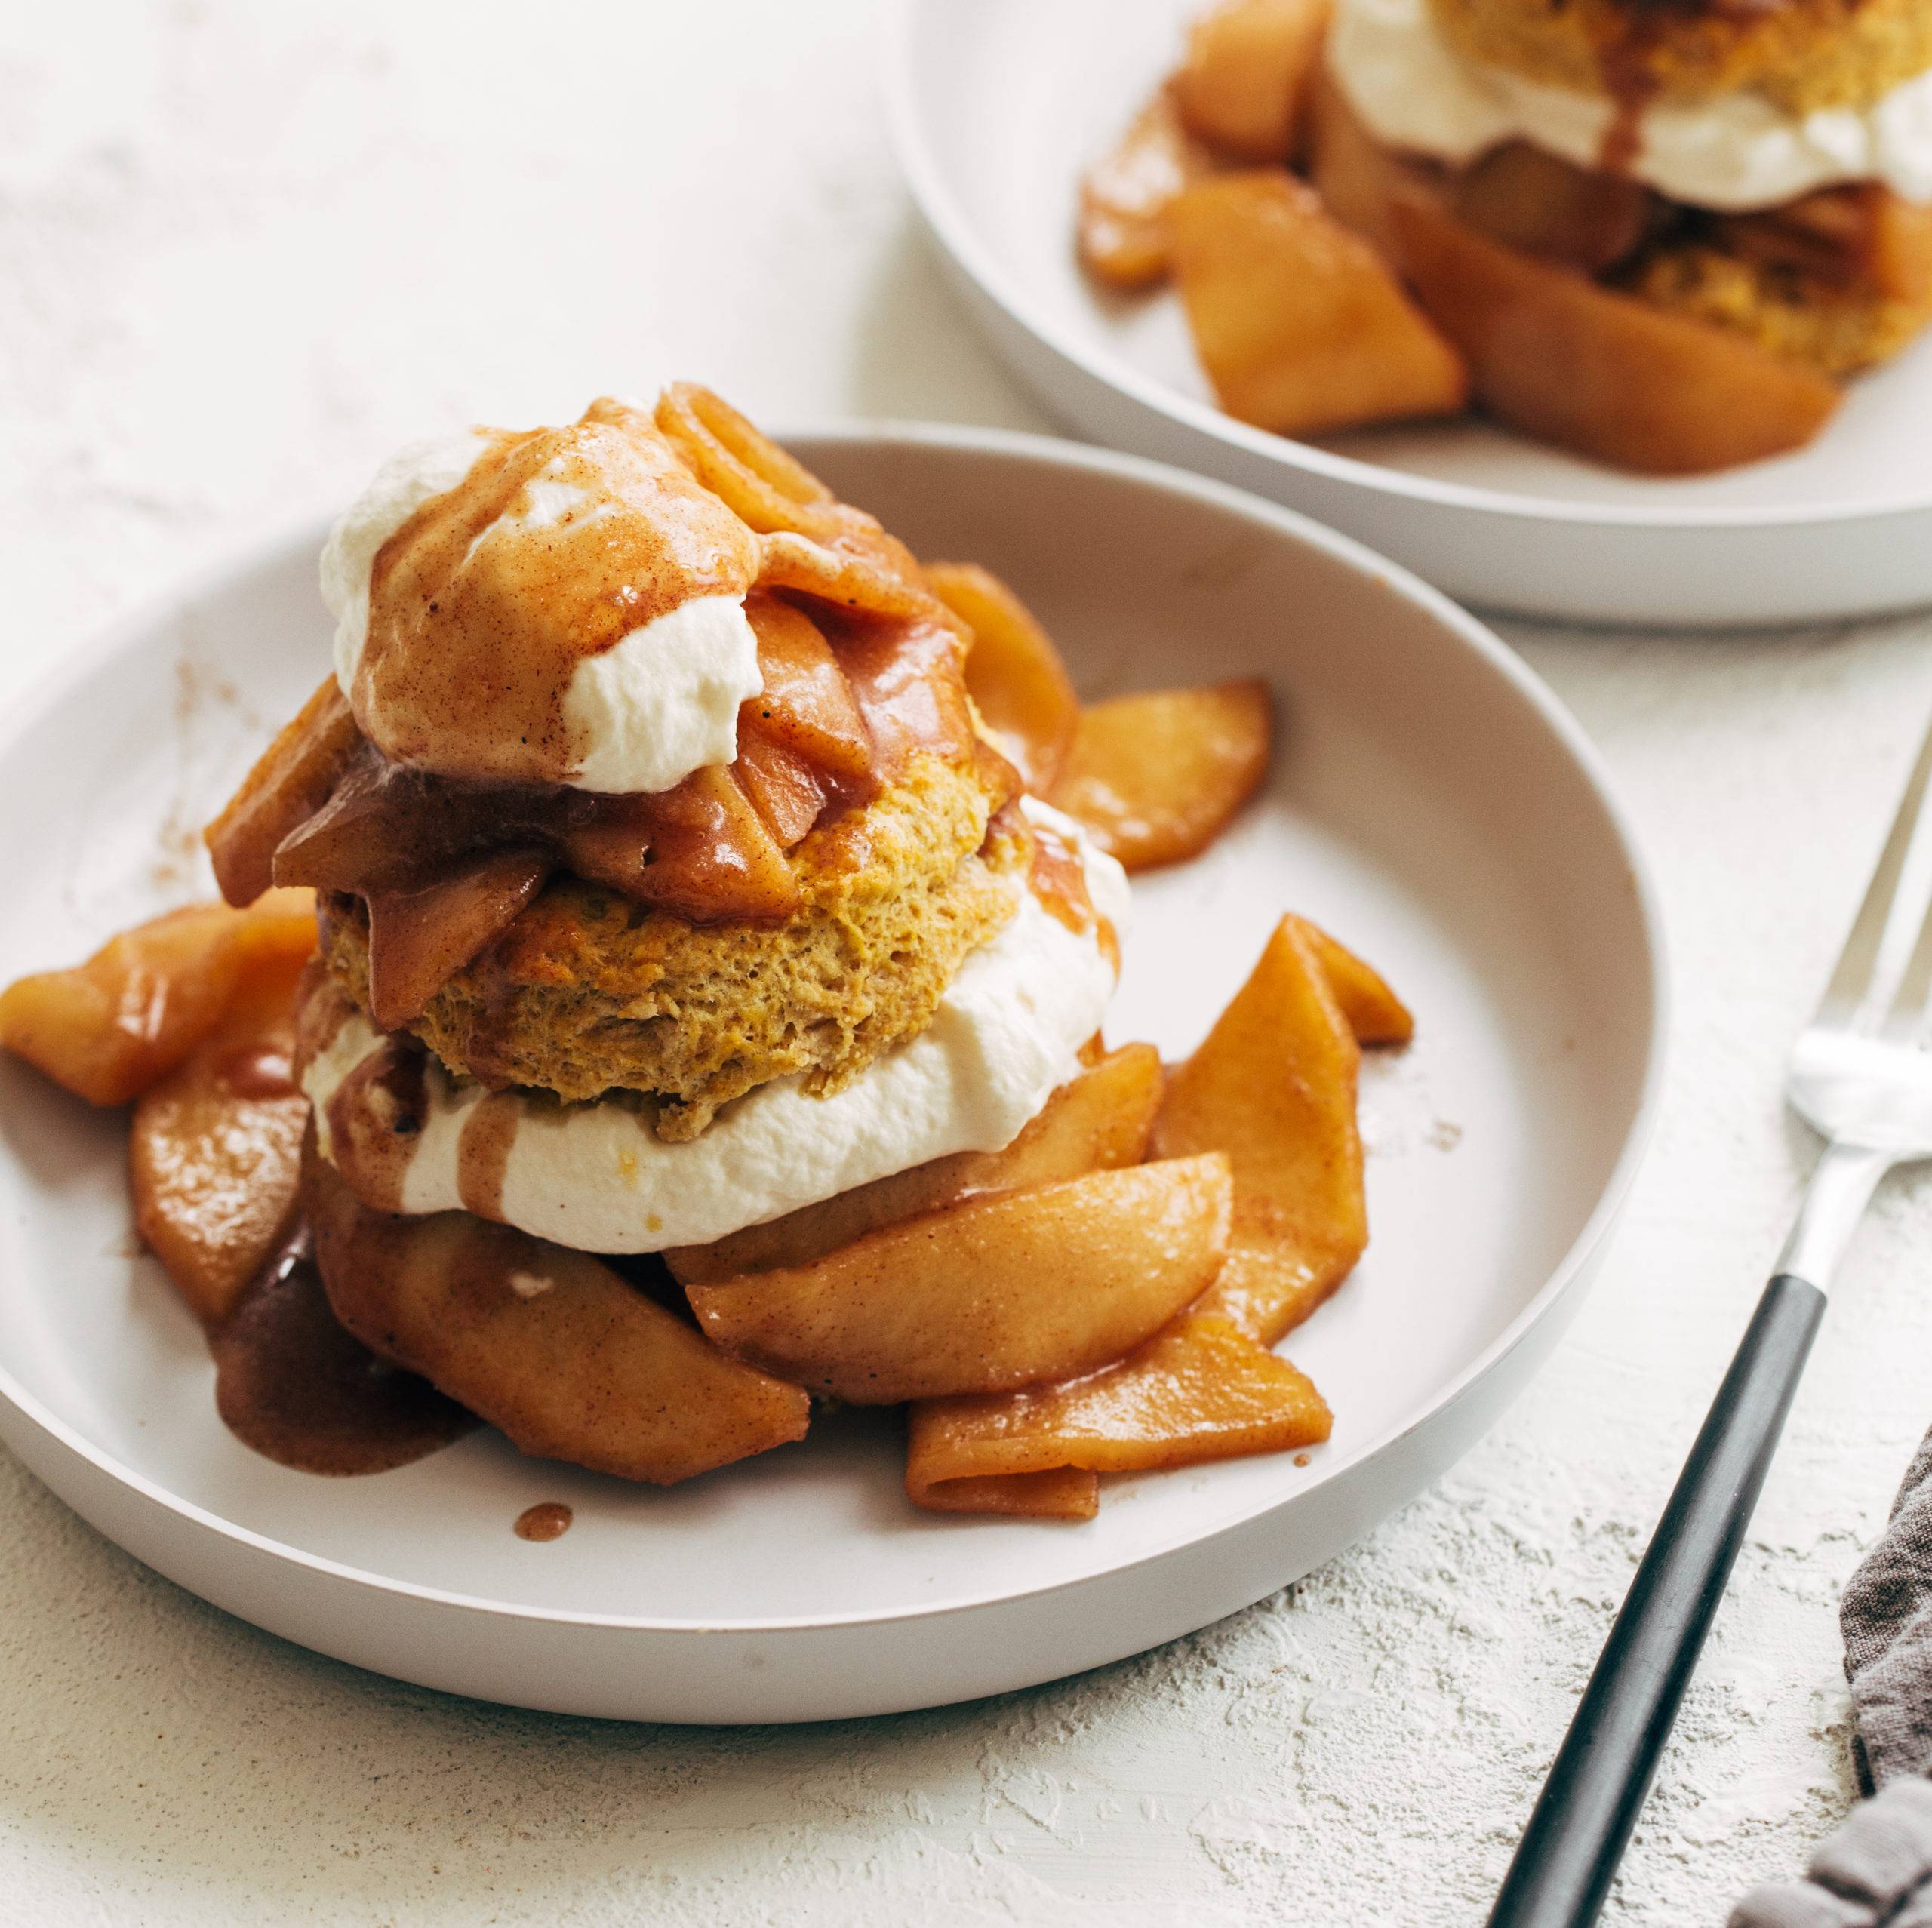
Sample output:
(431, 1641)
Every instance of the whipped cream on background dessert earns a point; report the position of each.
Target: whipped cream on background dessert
(1733, 151)
(622, 582)
(1006, 1036)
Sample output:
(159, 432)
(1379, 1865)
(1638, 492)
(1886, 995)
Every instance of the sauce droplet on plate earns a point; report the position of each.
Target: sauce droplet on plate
(291, 1383)
(550, 1519)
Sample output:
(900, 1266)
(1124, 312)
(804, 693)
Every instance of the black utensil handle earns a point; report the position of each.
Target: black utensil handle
(1575, 1835)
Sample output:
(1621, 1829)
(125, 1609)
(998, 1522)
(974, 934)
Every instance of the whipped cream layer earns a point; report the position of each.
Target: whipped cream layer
(639, 715)
(1733, 152)
(1006, 1036)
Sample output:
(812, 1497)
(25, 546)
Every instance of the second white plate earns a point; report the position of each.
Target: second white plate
(997, 109)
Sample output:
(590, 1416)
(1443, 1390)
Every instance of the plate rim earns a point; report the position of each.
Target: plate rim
(302, 531)
(953, 234)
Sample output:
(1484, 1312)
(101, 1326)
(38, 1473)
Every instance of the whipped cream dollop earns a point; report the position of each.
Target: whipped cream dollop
(1006, 1036)
(1732, 152)
(505, 655)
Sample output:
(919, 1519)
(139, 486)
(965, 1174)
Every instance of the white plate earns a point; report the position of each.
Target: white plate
(1432, 804)
(998, 107)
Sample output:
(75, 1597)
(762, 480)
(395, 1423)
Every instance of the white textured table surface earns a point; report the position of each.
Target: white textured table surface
(243, 251)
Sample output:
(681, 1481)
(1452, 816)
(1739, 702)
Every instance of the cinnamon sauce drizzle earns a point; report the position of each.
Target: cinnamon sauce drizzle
(483, 1155)
(1627, 64)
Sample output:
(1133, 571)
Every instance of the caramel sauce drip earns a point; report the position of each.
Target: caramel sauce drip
(376, 1117)
(1627, 62)
(292, 1384)
(555, 546)
(1631, 90)
(483, 1156)
(1058, 879)
(548, 1520)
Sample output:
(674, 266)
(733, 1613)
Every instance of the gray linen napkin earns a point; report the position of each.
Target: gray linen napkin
(1876, 1870)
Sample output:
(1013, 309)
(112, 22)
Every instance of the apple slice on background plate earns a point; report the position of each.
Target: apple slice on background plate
(999, 108)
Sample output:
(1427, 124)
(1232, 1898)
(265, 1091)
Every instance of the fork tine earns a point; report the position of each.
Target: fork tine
(1851, 980)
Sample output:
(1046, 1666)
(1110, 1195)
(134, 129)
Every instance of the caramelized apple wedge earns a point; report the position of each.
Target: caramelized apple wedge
(1861, 235)
(549, 1345)
(806, 704)
(1357, 177)
(1202, 1389)
(214, 1152)
(107, 1029)
(1300, 326)
(291, 781)
(788, 795)
(988, 1295)
(773, 492)
(1247, 72)
(1600, 373)
(385, 825)
(1124, 196)
(698, 849)
(1155, 778)
(420, 940)
(1579, 217)
(1096, 1122)
(801, 741)
(1014, 673)
(1273, 1086)
(1368, 1005)
(1899, 260)
(1061, 1492)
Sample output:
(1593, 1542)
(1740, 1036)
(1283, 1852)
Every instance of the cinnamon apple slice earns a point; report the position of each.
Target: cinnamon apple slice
(1157, 777)
(1014, 673)
(1124, 196)
(1096, 1122)
(214, 1151)
(986, 1295)
(1579, 217)
(551, 1346)
(291, 781)
(107, 1029)
(420, 940)
(806, 703)
(1568, 362)
(1247, 71)
(1273, 1086)
(1200, 1389)
(1357, 177)
(1299, 324)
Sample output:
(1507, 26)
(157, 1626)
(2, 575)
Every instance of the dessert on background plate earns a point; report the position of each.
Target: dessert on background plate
(1659, 233)
(661, 982)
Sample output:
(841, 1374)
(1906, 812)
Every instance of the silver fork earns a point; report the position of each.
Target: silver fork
(1858, 1077)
